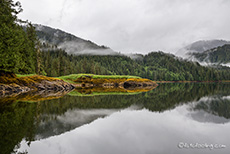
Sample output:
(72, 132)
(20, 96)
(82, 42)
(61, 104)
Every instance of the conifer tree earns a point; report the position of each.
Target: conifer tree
(17, 46)
(11, 36)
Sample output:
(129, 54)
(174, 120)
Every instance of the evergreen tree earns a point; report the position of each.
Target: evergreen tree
(11, 37)
(17, 47)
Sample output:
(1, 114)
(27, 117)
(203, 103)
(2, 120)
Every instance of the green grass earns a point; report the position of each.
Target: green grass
(70, 78)
(24, 75)
(75, 76)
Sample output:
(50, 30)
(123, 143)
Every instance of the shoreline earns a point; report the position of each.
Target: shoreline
(192, 81)
(11, 86)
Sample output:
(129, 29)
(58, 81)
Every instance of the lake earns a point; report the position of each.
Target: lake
(173, 118)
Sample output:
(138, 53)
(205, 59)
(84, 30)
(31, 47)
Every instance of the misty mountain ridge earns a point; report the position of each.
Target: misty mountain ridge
(70, 43)
(200, 51)
(199, 47)
(218, 56)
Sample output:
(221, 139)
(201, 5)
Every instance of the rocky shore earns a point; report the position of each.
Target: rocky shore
(11, 86)
(15, 85)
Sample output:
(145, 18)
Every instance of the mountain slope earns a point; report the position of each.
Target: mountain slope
(76, 55)
(219, 55)
(200, 46)
(70, 43)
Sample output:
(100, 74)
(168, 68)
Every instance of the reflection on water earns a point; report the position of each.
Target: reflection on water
(136, 132)
(147, 122)
(92, 91)
(70, 120)
(213, 109)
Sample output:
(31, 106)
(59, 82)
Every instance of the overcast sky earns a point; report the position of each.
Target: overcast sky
(137, 26)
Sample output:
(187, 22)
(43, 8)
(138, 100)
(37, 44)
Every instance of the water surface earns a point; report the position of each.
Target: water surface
(164, 120)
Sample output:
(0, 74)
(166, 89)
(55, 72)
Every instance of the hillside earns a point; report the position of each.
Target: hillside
(168, 67)
(200, 46)
(219, 55)
(70, 43)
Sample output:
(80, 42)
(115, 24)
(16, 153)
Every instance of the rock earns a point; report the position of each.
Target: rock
(134, 84)
(42, 84)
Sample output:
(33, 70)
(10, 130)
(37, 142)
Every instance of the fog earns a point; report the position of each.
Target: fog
(81, 48)
(134, 26)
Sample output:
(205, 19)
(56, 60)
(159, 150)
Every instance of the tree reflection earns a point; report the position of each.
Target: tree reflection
(19, 119)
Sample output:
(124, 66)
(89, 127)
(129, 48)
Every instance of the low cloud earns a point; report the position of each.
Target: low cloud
(132, 25)
(82, 48)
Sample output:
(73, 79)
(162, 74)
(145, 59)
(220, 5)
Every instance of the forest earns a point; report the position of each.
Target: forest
(156, 66)
(22, 53)
(18, 46)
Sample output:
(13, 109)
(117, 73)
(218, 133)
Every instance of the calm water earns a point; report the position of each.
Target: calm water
(171, 119)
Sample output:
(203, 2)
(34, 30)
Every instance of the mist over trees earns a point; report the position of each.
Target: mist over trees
(155, 66)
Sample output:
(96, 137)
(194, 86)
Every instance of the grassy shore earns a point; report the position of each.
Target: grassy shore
(79, 78)
(73, 77)
(87, 84)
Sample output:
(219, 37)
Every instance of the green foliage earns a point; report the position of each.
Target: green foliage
(168, 67)
(17, 47)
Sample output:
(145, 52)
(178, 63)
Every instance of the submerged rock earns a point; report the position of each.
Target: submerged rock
(139, 83)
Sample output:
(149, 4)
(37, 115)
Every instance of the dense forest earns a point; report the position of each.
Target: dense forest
(155, 66)
(18, 46)
(22, 52)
